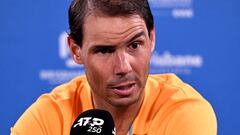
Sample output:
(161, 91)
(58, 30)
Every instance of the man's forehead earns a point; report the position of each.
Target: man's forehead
(112, 30)
(117, 24)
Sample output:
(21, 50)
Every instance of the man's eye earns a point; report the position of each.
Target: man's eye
(135, 45)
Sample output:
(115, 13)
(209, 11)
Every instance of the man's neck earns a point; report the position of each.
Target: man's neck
(123, 116)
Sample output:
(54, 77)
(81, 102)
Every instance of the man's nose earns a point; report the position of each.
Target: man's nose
(122, 64)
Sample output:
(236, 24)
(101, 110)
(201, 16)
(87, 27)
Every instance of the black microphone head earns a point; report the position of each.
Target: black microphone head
(93, 122)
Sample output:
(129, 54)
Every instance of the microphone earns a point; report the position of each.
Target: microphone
(93, 122)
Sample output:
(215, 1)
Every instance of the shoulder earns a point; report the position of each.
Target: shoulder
(69, 89)
(171, 106)
(166, 91)
(170, 83)
(55, 110)
(172, 91)
(65, 96)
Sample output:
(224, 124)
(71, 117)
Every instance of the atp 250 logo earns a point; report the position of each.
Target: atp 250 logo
(95, 124)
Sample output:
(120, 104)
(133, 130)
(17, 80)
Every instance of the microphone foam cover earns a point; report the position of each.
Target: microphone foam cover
(93, 122)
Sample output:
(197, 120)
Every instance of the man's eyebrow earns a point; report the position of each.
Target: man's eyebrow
(101, 46)
(142, 33)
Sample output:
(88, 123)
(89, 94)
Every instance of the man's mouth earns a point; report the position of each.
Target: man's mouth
(124, 89)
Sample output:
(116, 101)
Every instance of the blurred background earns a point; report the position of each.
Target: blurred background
(199, 40)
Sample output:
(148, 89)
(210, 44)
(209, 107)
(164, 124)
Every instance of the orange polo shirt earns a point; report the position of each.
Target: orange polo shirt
(170, 107)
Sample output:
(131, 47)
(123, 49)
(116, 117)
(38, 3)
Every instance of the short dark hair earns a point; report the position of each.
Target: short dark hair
(79, 9)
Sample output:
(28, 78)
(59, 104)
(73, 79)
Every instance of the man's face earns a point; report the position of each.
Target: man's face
(116, 53)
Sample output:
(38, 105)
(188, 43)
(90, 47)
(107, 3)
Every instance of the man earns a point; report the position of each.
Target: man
(114, 40)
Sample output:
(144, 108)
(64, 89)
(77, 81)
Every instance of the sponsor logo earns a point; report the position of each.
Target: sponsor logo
(179, 64)
(94, 124)
(173, 8)
(66, 73)
(64, 52)
(89, 120)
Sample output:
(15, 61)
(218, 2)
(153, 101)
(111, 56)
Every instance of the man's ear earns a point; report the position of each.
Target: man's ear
(75, 50)
(152, 39)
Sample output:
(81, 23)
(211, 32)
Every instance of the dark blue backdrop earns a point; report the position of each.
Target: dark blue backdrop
(197, 39)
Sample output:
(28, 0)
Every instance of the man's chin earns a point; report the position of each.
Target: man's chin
(123, 102)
